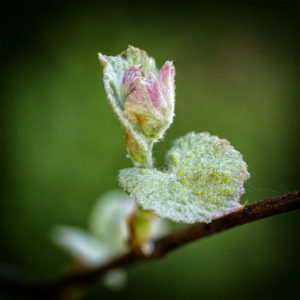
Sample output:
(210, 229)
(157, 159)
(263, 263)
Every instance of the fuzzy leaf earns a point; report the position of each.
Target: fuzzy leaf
(204, 180)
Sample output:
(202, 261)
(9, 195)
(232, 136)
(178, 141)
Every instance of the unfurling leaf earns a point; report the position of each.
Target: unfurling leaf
(204, 180)
(107, 235)
(108, 220)
(81, 245)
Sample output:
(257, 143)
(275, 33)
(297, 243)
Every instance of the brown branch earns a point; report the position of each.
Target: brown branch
(52, 288)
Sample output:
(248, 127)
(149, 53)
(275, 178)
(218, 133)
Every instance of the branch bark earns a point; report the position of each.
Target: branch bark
(52, 288)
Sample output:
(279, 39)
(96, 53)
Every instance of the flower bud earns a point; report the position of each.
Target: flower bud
(141, 96)
(149, 99)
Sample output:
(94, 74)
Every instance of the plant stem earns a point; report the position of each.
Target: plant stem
(148, 158)
(140, 222)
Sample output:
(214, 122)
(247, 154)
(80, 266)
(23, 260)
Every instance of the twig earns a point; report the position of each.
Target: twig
(12, 283)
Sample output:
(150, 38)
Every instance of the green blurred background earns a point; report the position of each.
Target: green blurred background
(237, 77)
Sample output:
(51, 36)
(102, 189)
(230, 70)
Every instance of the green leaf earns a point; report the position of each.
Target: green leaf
(204, 180)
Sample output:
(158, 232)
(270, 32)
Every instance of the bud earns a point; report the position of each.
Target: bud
(142, 98)
(149, 99)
